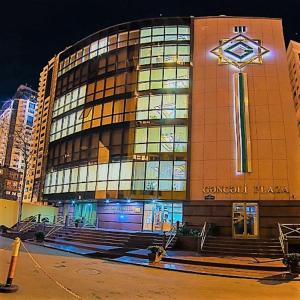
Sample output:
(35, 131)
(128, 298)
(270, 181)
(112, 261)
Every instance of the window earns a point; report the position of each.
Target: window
(164, 33)
(164, 78)
(239, 29)
(167, 106)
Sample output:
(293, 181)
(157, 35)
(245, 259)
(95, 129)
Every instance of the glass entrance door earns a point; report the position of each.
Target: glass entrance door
(86, 213)
(245, 220)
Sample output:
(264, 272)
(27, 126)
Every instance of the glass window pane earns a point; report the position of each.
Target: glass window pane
(152, 170)
(102, 172)
(165, 185)
(154, 134)
(156, 74)
(182, 101)
(92, 173)
(171, 29)
(141, 135)
(151, 185)
(181, 134)
(138, 185)
(155, 102)
(166, 170)
(179, 170)
(170, 50)
(183, 73)
(183, 50)
(158, 31)
(144, 76)
(169, 73)
(157, 51)
(183, 30)
(74, 175)
(142, 103)
(139, 170)
(126, 170)
(167, 134)
(114, 170)
(145, 32)
(82, 173)
(145, 52)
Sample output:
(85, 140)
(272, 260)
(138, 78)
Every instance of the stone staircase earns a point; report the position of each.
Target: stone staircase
(227, 246)
(91, 238)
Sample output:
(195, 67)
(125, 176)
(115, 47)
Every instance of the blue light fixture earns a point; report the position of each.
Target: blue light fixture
(107, 201)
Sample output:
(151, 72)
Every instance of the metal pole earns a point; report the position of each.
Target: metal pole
(198, 243)
(9, 287)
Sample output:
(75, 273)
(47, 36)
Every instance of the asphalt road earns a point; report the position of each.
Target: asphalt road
(100, 279)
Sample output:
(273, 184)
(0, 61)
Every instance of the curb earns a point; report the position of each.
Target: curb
(199, 273)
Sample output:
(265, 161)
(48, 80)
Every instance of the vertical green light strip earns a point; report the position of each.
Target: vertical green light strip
(242, 123)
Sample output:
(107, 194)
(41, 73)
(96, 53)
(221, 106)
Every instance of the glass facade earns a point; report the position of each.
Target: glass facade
(120, 117)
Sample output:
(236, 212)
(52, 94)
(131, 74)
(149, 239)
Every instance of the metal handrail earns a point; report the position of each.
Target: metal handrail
(202, 236)
(286, 232)
(60, 222)
(28, 224)
(172, 234)
(281, 239)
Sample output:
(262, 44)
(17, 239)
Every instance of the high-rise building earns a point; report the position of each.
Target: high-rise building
(294, 72)
(172, 119)
(16, 122)
(41, 129)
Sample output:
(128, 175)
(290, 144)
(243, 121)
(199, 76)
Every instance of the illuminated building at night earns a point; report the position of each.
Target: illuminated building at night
(16, 115)
(294, 72)
(173, 119)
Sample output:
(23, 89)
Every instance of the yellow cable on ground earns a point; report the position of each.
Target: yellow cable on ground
(51, 277)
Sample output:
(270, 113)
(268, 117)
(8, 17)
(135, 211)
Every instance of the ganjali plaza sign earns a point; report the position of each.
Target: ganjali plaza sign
(244, 189)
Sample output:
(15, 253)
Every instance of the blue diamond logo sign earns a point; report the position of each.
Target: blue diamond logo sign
(240, 51)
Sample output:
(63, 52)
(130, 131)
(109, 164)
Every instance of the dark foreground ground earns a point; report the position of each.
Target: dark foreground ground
(99, 279)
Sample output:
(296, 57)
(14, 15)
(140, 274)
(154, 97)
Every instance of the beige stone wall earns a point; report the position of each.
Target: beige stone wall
(275, 145)
(9, 211)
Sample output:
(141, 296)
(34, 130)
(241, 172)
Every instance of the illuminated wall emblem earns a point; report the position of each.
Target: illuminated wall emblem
(240, 51)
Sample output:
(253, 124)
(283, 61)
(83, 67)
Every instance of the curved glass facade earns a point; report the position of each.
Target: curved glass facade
(120, 116)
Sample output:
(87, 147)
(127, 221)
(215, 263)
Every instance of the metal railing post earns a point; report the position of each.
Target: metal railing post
(198, 242)
(66, 221)
(164, 240)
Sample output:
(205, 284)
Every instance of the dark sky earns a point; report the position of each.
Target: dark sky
(32, 31)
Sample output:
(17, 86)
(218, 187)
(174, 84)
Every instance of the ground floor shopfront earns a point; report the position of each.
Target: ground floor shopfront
(239, 219)
(154, 215)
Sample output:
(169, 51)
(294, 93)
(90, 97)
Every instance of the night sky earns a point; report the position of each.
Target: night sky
(32, 31)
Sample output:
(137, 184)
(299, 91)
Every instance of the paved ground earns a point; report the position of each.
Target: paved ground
(99, 279)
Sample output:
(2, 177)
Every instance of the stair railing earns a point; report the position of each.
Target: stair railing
(286, 232)
(32, 221)
(60, 222)
(172, 233)
(281, 239)
(202, 236)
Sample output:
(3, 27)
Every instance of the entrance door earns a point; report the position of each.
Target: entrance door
(245, 220)
(86, 212)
